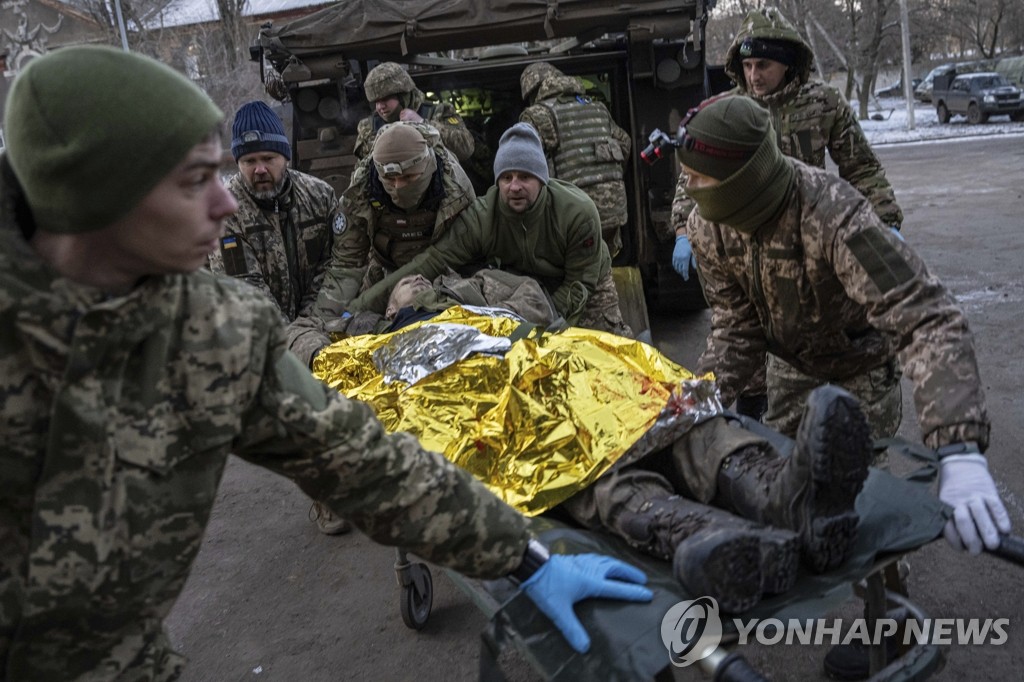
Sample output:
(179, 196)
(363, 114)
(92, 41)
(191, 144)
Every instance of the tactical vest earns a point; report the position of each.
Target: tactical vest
(399, 237)
(587, 153)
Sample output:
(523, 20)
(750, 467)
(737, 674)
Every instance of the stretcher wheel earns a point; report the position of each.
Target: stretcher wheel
(417, 597)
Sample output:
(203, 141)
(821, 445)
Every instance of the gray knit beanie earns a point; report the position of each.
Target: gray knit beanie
(257, 128)
(520, 149)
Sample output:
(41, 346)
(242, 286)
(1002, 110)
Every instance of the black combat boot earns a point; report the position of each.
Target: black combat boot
(813, 490)
(715, 553)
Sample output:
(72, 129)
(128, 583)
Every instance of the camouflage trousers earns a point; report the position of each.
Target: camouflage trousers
(602, 311)
(690, 469)
(878, 391)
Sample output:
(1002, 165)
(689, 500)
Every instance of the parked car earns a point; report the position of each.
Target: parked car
(976, 96)
(896, 89)
(923, 90)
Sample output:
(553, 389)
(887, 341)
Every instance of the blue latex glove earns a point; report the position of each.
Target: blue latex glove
(682, 257)
(896, 231)
(565, 579)
(978, 513)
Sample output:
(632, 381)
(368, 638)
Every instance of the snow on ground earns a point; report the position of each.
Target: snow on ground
(892, 128)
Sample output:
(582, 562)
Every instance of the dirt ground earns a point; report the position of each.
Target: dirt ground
(272, 599)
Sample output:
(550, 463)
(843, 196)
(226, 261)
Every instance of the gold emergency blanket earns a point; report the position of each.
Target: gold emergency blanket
(536, 422)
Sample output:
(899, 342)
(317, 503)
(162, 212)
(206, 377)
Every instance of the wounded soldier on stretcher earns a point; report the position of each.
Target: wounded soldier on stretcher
(618, 436)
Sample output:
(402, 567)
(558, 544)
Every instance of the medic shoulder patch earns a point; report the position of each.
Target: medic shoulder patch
(340, 224)
(884, 265)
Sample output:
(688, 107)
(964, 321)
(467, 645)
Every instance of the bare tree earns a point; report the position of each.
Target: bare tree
(213, 51)
(233, 28)
(876, 22)
(982, 21)
(222, 68)
(136, 14)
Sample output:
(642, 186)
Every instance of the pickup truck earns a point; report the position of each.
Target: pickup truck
(976, 96)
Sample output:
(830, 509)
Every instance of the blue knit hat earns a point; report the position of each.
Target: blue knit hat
(258, 129)
(520, 149)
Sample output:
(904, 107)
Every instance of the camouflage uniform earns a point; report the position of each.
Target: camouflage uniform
(374, 238)
(557, 241)
(829, 290)
(389, 237)
(119, 414)
(584, 146)
(391, 79)
(809, 117)
(281, 245)
(263, 246)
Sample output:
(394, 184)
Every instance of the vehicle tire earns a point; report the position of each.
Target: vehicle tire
(974, 115)
(1019, 116)
(942, 112)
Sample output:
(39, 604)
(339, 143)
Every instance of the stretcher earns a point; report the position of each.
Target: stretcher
(897, 515)
(604, 402)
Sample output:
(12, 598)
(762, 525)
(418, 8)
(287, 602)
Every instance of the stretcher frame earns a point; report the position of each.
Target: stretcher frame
(897, 516)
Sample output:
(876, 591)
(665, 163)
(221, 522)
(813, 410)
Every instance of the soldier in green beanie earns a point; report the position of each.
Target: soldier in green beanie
(795, 260)
(130, 373)
(772, 64)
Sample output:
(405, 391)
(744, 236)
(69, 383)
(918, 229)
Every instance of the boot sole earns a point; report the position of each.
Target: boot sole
(727, 569)
(839, 440)
(780, 561)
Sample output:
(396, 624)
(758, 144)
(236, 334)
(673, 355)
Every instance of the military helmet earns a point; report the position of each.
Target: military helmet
(386, 79)
(534, 75)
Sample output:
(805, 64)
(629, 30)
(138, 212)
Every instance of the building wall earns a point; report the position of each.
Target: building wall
(33, 27)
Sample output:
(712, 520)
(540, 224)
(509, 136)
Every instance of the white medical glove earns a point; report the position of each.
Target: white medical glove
(978, 514)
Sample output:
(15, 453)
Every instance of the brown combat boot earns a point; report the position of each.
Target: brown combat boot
(812, 491)
(715, 553)
(326, 522)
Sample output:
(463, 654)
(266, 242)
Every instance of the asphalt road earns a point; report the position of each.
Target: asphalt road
(271, 599)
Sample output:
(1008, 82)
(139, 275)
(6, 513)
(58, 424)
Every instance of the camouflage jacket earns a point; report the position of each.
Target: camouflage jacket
(353, 265)
(365, 201)
(810, 117)
(118, 417)
(583, 144)
(832, 291)
(281, 246)
(557, 241)
(454, 133)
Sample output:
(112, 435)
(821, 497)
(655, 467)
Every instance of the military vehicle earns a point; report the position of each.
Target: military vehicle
(644, 60)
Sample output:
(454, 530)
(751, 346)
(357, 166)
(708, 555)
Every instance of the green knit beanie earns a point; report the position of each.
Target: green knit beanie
(91, 130)
(732, 140)
(721, 136)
